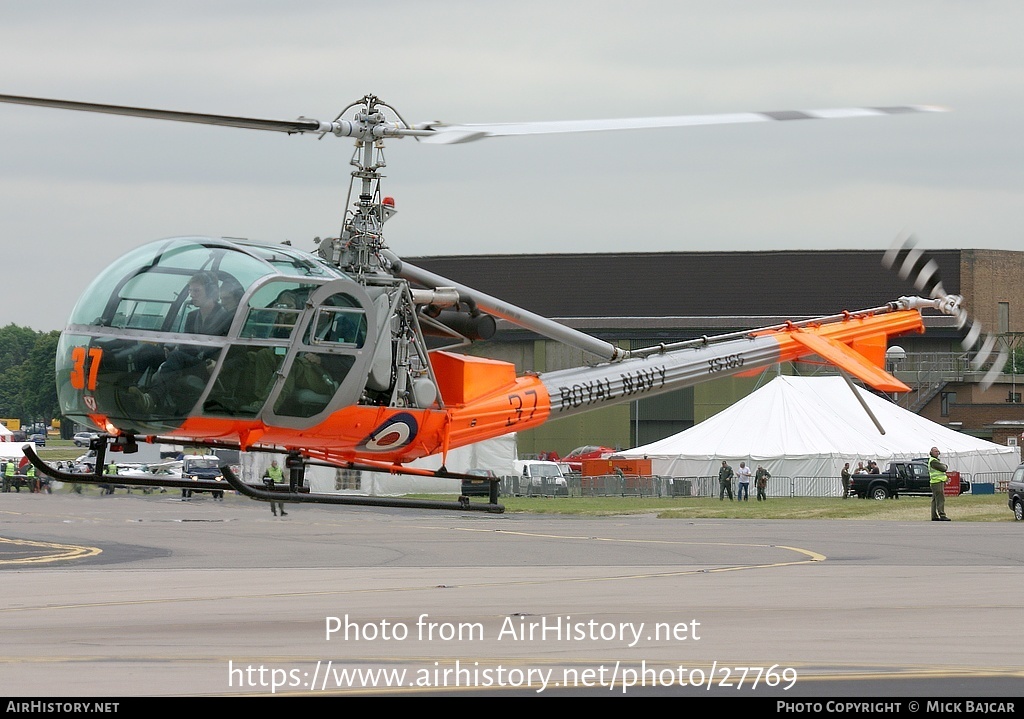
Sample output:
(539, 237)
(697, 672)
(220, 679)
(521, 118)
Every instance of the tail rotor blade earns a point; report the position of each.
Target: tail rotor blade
(986, 354)
(912, 263)
(973, 335)
(891, 255)
(982, 355)
(928, 280)
(994, 371)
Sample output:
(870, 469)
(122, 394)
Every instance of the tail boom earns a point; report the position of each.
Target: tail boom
(855, 343)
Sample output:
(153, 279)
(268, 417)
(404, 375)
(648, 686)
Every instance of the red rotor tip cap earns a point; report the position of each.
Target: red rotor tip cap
(389, 201)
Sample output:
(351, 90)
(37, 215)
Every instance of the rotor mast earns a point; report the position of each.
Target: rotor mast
(357, 248)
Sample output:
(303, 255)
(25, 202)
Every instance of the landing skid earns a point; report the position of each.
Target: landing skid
(276, 495)
(97, 477)
(463, 502)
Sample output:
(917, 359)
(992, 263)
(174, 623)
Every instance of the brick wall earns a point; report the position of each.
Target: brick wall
(988, 277)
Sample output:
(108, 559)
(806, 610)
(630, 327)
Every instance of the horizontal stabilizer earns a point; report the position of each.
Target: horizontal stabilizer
(845, 358)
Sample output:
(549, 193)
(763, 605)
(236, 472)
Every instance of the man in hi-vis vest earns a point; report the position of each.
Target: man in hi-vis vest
(937, 477)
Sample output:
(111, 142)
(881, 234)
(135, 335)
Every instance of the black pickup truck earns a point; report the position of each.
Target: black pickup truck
(899, 478)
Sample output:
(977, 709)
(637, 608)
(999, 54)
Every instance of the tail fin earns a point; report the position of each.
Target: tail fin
(856, 343)
(854, 360)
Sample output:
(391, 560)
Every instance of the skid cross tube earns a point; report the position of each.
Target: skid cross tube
(153, 480)
(312, 498)
(462, 504)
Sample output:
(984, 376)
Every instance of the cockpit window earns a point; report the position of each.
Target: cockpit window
(245, 381)
(339, 321)
(274, 309)
(311, 383)
(289, 263)
(202, 326)
(146, 301)
(336, 334)
(148, 288)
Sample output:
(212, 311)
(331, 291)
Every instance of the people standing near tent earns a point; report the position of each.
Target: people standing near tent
(761, 478)
(860, 469)
(743, 483)
(803, 427)
(937, 479)
(844, 476)
(725, 475)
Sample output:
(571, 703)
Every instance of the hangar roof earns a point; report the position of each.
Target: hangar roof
(789, 284)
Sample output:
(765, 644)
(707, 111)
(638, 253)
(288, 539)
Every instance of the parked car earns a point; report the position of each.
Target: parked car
(1016, 500)
(478, 487)
(201, 466)
(902, 478)
(38, 439)
(82, 439)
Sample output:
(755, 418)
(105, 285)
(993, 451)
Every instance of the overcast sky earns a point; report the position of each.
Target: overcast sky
(79, 190)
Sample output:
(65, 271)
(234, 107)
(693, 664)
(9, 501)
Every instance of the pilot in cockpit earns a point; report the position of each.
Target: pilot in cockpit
(231, 292)
(210, 317)
(187, 365)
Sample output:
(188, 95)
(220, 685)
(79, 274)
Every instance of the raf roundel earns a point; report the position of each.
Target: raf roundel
(396, 432)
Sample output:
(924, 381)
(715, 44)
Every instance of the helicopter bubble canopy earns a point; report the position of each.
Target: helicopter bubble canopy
(199, 329)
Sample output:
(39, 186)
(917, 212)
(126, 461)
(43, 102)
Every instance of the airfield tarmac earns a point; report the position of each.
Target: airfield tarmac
(130, 595)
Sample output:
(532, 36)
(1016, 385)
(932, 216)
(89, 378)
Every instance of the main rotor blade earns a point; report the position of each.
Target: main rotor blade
(290, 126)
(445, 134)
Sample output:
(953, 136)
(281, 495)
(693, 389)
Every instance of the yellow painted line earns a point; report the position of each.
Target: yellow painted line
(418, 588)
(592, 538)
(810, 557)
(62, 552)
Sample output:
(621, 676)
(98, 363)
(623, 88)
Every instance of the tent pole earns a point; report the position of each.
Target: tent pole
(849, 383)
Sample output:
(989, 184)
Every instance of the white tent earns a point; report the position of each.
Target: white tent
(810, 426)
(13, 450)
(5, 434)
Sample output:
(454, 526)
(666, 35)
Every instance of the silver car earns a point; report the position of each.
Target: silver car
(1016, 499)
(82, 439)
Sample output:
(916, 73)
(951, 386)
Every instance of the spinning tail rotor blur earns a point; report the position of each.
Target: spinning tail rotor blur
(911, 262)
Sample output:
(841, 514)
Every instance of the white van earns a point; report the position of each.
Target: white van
(536, 475)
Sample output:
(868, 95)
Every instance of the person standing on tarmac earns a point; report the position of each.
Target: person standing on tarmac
(743, 483)
(937, 479)
(111, 471)
(274, 475)
(9, 476)
(761, 481)
(725, 475)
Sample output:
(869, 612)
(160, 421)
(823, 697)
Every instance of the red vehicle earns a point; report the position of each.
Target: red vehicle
(575, 458)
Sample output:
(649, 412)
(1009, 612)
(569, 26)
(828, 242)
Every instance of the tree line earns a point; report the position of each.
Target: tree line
(28, 388)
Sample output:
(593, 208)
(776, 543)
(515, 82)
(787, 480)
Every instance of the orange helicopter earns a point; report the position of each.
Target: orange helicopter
(344, 356)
